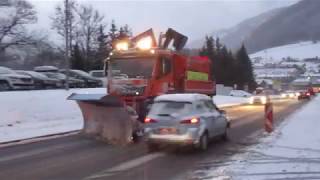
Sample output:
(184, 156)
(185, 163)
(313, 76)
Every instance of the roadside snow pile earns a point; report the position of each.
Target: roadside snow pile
(225, 101)
(301, 50)
(29, 114)
(292, 152)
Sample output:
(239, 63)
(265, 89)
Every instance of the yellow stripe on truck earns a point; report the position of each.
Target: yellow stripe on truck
(197, 76)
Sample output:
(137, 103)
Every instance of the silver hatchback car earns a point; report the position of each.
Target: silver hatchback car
(184, 119)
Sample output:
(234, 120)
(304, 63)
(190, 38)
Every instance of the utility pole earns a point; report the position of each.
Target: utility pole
(67, 41)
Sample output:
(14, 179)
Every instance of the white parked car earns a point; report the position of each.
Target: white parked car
(240, 93)
(10, 80)
(184, 120)
(100, 75)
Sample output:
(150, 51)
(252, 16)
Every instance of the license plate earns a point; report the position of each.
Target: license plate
(168, 131)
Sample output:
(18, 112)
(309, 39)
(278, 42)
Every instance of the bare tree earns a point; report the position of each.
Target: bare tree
(15, 15)
(59, 19)
(89, 25)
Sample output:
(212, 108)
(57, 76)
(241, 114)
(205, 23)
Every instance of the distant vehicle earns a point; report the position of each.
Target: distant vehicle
(73, 83)
(100, 75)
(10, 80)
(258, 99)
(304, 94)
(46, 69)
(41, 81)
(289, 94)
(184, 120)
(86, 77)
(240, 93)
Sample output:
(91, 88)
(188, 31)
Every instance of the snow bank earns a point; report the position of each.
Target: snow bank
(225, 101)
(292, 152)
(29, 114)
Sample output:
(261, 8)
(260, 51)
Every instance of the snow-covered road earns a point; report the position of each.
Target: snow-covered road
(29, 114)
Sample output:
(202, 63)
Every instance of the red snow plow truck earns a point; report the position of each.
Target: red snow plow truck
(138, 70)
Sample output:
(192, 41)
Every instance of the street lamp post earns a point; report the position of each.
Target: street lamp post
(67, 42)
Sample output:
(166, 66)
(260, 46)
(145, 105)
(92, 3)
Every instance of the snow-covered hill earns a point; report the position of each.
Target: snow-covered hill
(298, 51)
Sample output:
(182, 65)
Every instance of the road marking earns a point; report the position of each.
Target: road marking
(39, 151)
(37, 139)
(127, 165)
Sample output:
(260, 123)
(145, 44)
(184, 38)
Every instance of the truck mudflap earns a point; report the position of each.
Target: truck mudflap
(105, 118)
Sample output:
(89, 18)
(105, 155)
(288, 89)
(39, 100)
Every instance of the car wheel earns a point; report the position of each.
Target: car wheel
(152, 147)
(204, 142)
(4, 86)
(225, 136)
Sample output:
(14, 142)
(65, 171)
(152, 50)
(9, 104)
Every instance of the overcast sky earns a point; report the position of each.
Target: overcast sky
(193, 18)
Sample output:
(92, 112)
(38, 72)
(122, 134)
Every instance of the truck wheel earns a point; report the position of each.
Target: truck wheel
(4, 86)
(152, 147)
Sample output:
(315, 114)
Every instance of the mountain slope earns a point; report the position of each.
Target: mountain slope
(288, 25)
(233, 37)
(299, 22)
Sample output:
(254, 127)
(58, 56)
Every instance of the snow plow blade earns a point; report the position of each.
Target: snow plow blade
(105, 117)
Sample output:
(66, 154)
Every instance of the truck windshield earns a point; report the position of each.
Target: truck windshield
(132, 67)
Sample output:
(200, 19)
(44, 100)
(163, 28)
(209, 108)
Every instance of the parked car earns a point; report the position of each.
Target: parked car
(41, 81)
(240, 93)
(46, 69)
(184, 120)
(304, 94)
(86, 77)
(10, 80)
(100, 75)
(73, 83)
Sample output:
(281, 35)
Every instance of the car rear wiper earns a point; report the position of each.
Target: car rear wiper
(163, 114)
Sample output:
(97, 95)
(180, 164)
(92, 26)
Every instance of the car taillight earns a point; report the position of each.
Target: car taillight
(308, 94)
(149, 120)
(191, 121)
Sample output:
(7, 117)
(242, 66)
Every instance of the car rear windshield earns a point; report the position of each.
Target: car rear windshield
(170, 108)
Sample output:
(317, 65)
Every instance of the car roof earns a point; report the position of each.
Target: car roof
(182, 97)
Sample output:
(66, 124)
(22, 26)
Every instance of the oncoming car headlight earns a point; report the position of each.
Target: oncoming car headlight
(251, 100)
(263, 99)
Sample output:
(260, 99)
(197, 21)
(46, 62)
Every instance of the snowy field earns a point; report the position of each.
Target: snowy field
(300, 50)
(29, 114)
(291, 152)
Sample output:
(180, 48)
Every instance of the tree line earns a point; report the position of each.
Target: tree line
(229, 69)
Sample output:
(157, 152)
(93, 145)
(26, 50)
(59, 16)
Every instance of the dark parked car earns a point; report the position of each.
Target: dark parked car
(41, 81)
(86, 77)
(73, 83)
